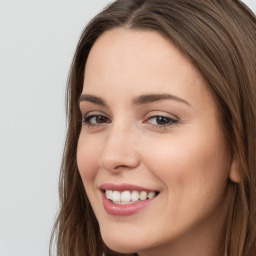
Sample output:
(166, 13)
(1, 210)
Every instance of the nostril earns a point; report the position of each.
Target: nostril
(121, 166)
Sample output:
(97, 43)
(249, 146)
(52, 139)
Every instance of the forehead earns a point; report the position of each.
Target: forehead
(134, 48)
(138, 62)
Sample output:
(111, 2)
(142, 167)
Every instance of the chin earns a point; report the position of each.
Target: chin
(120, 247)
(122, 244)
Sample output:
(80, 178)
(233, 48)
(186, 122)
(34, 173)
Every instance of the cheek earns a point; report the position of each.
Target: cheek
(87, 158)
(193, 174)
(194, 162)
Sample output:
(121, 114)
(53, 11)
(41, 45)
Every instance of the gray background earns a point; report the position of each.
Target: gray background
(37, 41)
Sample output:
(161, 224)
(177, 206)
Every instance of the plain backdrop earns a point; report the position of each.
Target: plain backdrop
(37, 42)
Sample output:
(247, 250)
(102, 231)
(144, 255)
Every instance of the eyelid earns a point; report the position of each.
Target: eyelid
(88, 108)
(173, 119)
(92, 113)
(170, 121)
(155, 113)
(86, 119)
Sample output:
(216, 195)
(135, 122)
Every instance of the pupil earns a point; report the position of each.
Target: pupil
(162, 120)
(100, 119)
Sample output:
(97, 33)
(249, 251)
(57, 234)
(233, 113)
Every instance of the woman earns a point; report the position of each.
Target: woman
(160, 150)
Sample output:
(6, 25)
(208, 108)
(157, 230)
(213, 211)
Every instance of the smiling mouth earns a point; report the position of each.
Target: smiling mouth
(129, 197)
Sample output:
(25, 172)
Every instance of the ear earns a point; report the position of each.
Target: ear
(234, 174)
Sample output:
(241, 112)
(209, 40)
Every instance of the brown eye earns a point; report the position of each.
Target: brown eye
(100, 119)
(96, 119)
(161, 120)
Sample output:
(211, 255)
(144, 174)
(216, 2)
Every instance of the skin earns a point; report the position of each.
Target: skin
(187, 160)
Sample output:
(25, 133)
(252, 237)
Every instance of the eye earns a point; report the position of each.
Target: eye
(94, 120)
(161, 121)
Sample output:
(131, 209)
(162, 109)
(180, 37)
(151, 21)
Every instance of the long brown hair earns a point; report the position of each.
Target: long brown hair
(219, 36)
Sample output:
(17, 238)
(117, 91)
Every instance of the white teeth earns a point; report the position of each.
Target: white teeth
(116, 196)
(151, 195)
(127, 197)
(143, 195)
(135, 196)
(109, 194)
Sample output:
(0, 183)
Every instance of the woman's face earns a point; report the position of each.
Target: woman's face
(152, 130)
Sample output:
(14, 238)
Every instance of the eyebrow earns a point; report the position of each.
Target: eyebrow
(150, 98)
(140, 100)
(93, 99)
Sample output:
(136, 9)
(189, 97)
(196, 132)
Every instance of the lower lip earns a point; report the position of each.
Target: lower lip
(124, 209)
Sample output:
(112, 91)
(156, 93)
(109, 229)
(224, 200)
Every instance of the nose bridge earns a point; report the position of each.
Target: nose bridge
(119, 149)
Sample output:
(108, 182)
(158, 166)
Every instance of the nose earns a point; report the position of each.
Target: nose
(119, 150)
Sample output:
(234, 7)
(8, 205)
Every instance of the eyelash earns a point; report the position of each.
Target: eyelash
(87, 120)
(169, 121)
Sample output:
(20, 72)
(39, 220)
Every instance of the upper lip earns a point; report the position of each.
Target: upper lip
(124, 187)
